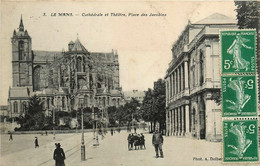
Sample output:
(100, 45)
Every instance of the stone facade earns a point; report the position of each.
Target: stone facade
(65, 80)
(193, 80)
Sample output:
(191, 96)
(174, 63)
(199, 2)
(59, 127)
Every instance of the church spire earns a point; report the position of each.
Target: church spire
(21, 27)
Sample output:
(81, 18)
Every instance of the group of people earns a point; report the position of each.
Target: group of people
(136, 140)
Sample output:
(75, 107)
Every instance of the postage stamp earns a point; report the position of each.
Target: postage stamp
(238, 51)
(239, 96)
(240, 143)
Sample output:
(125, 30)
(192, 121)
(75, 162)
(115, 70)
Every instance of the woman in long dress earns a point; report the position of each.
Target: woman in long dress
(235, 50)
(59, 155)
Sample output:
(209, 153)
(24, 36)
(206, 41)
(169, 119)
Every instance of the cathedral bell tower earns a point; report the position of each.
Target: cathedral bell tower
(22, 58)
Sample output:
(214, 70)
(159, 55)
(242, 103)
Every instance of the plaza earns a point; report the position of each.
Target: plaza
(112, 150)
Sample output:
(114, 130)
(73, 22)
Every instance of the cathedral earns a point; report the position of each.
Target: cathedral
(64, 81)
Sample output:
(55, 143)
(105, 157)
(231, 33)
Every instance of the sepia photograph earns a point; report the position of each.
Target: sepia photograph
(129, 83)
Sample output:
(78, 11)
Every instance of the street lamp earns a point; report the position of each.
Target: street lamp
(82, 127)
(95, 143)
(53, 113)
(93, 118)
(76, 122)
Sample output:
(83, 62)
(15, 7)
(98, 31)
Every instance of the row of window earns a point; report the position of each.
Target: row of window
(22, 106)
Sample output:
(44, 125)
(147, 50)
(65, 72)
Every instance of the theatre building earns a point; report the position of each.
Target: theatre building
(193, 80)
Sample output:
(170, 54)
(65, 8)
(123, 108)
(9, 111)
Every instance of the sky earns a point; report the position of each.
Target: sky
(143, 43)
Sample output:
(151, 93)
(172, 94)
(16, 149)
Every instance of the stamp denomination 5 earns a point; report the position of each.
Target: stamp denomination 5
(240, 141)
(239, 96)
(238, 51)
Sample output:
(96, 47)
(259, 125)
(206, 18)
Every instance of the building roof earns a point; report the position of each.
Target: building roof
(40, 56)
(19, 92)
(78, 46)
(21, 27)
(101, 56)
(217, 18)
(71, 42)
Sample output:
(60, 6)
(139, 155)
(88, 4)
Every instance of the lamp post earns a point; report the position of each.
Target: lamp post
(82, 127)
(53, 113)
(93, 118)
(96, 143)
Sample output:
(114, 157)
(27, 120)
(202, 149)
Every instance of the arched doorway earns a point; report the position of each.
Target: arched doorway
(202, 120)
(193, 122)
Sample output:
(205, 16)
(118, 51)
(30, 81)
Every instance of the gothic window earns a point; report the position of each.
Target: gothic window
(50, 78)
(43, 104)
(104, 101)
(90, 81)
(21, 49)
(118, 102)
(114, 102)
(37, 78)
(15, 107)
(79, 64)
(48, 103)
(63, 102)
(86, 101)
(23, 107)
(98, 85)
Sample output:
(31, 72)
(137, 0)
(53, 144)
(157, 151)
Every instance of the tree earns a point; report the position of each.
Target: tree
(112, 115)
(159, 102)
(34, 118)
(248, 15)
(131, 110)
(153, 107)
(147, 105)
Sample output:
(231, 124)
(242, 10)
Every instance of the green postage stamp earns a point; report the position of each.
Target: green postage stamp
(239, 96)
(240, 143)
(238, 50)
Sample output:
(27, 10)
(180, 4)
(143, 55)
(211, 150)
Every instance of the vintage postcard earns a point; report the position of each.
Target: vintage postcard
(126, 83)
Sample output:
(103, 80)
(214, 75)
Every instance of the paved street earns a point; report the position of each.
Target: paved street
(111, 152)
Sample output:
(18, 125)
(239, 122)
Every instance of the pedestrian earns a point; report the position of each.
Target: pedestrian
(36, 142)
(59, 155)
(46, 133)
(157, 143)
(129, 141)
(11, 137)
(142, 141)
(132, 139)
(112, 132)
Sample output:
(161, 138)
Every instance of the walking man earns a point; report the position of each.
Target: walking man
(142, 141)
(36, 142)
(112, 131)
(11, 137)
(157, 143)
(59, 155)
